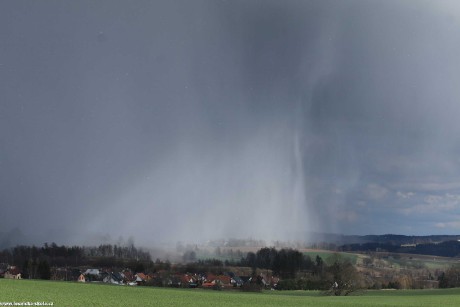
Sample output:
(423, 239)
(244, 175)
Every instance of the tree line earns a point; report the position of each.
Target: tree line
(299, 272)
(35, 262)
(284, 263)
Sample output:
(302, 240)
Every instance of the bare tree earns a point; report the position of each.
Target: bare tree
(344, 277)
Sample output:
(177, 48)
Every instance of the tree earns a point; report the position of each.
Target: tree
(319, 265)
(406, 282)
(344, 277)
(450, 278)
(288, 262)
(44, 270)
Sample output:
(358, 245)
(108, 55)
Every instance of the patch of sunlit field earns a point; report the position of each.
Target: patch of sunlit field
(76, 294)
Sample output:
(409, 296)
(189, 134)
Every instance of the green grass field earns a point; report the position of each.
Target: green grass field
(75, 294)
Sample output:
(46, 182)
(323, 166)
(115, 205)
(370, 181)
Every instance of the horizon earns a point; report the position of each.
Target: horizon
(21, 239)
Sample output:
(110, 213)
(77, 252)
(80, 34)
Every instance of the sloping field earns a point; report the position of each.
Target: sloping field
(74, 294)
(399, 260)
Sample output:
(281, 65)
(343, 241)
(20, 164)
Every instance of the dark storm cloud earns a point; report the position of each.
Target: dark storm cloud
(388, 113)
(179, 120)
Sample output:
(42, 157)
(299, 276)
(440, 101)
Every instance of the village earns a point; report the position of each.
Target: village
(231, 267)
(161, 278)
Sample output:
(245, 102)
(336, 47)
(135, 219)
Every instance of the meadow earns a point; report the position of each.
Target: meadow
(76, 294)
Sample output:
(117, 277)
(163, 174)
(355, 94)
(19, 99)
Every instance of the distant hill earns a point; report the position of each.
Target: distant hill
(392, 239)
(442, 249)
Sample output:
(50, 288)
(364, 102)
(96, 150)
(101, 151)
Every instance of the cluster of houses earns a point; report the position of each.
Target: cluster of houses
(9, 271)
(168, 279)
(125, 277)
(161, 278)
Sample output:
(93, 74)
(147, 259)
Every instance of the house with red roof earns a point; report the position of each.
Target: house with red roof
(12, 273)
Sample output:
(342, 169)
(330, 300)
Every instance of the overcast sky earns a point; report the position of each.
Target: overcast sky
(186, 120)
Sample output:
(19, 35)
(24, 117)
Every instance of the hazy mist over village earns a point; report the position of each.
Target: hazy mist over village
(167, 121)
